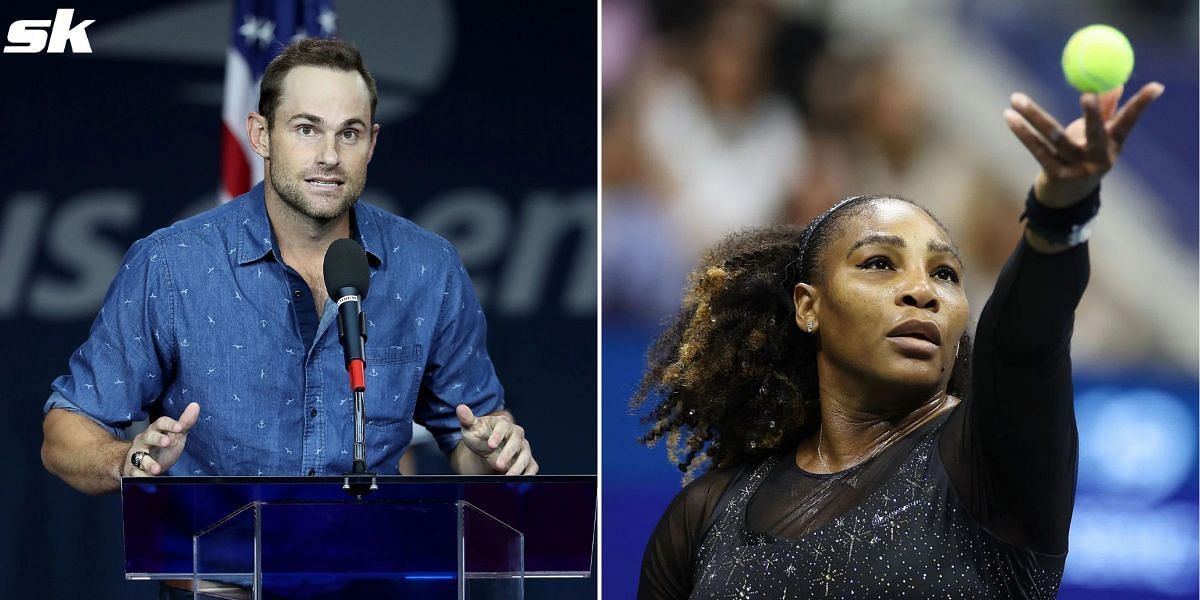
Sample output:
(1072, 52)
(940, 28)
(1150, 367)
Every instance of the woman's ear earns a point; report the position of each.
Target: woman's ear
(807, 300)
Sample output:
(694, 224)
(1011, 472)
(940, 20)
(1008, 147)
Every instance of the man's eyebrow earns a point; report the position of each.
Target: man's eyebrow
(880, 239)
(319, 121)
(307, 117)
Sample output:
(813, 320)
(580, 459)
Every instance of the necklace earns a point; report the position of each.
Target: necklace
(853, 462)
(820, 432)
(880, 447)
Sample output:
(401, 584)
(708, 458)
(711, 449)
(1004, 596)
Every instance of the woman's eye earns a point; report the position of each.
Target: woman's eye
(876, 262)
(947, 274)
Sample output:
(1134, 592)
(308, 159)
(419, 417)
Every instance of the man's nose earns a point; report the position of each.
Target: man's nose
(328, 156)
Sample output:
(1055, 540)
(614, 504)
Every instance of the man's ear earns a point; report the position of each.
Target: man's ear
(807, 300)
(258, 134)
(374, 138)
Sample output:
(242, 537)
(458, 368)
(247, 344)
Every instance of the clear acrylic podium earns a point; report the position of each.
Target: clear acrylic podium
(414, 537)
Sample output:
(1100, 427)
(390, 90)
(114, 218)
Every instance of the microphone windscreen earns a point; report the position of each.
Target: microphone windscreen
(346, 266)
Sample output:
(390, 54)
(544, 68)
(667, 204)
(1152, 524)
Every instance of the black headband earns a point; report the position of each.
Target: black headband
(819, 220)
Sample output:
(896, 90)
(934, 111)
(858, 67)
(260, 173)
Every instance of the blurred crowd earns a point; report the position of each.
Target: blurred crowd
(720, 115)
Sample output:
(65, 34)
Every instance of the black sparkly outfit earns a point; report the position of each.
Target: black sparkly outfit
(974, 504)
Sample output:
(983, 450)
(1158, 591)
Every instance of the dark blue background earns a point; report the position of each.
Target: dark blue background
(513, 118)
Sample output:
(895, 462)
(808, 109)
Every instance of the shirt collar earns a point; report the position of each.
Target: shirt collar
(256, 240)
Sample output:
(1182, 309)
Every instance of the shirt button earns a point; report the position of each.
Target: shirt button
(297, 293)
(312, 472)
(312, 413)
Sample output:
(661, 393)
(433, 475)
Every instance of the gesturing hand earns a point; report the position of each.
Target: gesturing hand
(1076, 157)
(163, 440)
(498, 440)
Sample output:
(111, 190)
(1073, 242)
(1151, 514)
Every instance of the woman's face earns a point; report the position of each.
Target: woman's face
(889, 308)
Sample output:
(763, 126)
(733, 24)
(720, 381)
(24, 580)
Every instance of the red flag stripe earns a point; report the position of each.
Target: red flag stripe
(235, 166)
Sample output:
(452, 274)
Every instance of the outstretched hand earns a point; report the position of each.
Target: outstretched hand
(498, 440)
(1074, 158)
(164, 440)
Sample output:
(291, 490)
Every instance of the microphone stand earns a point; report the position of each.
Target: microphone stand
(358, 482)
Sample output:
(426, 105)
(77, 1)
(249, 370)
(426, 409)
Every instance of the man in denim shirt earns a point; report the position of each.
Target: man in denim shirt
(220, 327)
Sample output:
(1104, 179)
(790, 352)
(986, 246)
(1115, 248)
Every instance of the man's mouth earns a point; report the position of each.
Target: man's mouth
(328, 183)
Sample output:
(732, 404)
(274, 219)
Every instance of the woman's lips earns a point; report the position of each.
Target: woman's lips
(914, 346)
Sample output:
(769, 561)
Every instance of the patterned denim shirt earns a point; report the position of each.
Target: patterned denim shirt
(206, 311)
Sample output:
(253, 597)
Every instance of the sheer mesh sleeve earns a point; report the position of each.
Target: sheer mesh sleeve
(1011, 447)
(668, 561)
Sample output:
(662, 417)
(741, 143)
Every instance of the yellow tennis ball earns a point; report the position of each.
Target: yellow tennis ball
(1097, 58)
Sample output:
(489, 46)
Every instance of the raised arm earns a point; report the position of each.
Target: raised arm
(1011, 449)
(1074, 158)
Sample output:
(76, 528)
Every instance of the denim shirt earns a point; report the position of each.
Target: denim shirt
(206, 311)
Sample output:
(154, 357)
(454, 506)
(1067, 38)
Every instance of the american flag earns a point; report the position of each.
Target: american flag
(260, 30)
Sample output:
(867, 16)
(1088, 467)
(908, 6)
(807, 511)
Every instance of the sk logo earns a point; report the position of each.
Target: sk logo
(29, 37)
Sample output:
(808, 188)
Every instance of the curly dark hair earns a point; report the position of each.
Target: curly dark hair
(734, 376)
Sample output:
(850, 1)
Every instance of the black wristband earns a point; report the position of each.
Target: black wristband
(1062, 225)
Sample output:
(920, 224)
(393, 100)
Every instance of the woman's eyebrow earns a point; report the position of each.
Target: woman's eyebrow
(944, 248)
(880, 239)
(896, 241)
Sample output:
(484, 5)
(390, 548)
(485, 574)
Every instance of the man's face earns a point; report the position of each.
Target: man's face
(321, 139)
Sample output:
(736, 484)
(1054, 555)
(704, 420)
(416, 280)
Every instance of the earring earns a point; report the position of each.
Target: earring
(810, 327)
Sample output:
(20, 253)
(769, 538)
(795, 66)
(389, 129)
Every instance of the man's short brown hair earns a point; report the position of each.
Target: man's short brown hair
(329, 53)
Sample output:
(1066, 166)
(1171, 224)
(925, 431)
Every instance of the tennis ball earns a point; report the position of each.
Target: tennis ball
(1097, 58)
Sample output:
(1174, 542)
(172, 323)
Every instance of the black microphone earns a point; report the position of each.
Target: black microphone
(346, 281)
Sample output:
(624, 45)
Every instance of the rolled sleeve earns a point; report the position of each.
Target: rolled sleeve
(57, 400)
(459, 370)
(122, 367)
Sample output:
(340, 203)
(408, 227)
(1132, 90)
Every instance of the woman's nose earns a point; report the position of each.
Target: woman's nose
(918, 294)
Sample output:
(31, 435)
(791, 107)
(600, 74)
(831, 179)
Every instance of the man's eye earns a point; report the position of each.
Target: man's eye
(350, 135)
(305, 129)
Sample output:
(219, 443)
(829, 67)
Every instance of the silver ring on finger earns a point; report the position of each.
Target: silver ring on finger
(136, 458)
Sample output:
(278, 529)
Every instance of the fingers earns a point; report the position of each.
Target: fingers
(1036, 145)
(166, 436)
(465, 417)
(1109, 101)
(189, 417)
(154, 438)
(1097, 135)
(1120, 125)
(500, 430)
(1046, 126)
(523, 462)
(149, 466)
(516, 443)
(165, 431)
(163, 424)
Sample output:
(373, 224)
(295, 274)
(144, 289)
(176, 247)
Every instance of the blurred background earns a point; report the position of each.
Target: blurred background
(488, 138)
(719, 115)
